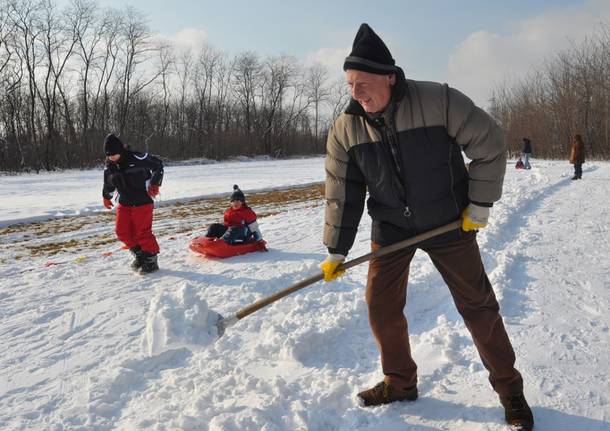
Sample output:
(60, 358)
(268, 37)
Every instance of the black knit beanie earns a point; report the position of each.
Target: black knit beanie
(113, 145)
(369, 54)
(237, 194)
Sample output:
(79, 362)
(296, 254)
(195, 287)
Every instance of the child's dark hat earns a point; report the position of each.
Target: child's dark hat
(113, 145)
(237, 194)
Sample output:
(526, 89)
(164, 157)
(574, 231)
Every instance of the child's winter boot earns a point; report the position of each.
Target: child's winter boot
(138, 255)
(149, 263)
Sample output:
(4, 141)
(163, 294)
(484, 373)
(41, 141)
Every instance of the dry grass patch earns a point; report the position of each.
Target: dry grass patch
(45, 238)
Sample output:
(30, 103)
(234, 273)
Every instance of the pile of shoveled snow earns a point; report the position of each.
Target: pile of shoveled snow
(178, 319)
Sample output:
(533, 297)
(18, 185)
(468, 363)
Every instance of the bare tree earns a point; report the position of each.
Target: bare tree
(6, 31)
(276, 80)
(183, 68)
(89, 32)
(68, 77)
(137, 48)
(222, 106)
(246, 75)
(203, 77)
(10, 79)
(319, 94)
(58, 40)
(166, 67)
(25, 17)
(297, 103)
(105, 67)
(570, 95)
(338, 97)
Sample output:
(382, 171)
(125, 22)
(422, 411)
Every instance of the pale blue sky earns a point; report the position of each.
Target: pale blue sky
(275, 26)
(468, 43)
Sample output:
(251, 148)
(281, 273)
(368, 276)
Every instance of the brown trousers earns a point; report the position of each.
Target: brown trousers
(460, 264)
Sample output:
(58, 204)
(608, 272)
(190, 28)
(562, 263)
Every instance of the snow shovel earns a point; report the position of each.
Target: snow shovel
(224, 323)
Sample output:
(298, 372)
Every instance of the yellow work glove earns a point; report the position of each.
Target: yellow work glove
(474, 217)
(330, 265)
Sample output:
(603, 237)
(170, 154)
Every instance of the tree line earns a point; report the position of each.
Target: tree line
(569, 95)
(70, 76)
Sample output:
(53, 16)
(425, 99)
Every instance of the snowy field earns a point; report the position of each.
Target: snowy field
(56, 194)
(88, 345)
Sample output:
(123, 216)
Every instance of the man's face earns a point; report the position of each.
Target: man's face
(114, 158)
(372, 91)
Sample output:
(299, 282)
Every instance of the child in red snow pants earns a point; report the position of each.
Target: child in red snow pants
(134, 227)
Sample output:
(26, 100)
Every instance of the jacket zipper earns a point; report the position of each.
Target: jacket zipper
(396, 165)
(457, 207)
(392, 140)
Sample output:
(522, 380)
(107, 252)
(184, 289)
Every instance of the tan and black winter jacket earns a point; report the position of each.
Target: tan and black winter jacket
(409, 159)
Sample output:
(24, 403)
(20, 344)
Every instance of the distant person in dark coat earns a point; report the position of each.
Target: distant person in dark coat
(527, 152)
(577, 156)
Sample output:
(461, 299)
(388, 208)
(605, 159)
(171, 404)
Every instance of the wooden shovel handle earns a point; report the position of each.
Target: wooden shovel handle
(357, 261)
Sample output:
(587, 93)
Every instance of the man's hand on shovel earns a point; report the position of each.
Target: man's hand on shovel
(330, 265)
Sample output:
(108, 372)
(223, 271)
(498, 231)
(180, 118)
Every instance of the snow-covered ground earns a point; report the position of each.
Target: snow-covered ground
(88, 345)
(32, 197)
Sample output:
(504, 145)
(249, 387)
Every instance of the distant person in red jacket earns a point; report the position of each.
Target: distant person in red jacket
(240, 225)
(136, 177)
(519, 164)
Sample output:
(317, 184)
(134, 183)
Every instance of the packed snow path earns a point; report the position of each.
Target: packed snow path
(77, 336)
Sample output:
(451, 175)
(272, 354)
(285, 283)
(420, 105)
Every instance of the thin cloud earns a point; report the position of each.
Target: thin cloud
(484, 59)
(186, 39)
(331, 58)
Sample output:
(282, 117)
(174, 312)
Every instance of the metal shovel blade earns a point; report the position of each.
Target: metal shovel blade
(222, 324)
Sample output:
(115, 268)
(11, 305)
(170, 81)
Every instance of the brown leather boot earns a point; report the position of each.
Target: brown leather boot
(517, 412)
(382, 393)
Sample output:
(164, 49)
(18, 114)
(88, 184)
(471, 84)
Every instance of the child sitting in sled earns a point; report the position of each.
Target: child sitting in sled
(240, 225)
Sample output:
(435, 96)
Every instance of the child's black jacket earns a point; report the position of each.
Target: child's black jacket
(129, 177)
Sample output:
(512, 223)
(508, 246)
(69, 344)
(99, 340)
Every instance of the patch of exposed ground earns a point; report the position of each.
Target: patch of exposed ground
(84, 234)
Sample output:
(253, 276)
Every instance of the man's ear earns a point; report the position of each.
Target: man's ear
(392, 79)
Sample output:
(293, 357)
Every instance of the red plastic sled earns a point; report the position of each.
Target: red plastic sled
(217, 247)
